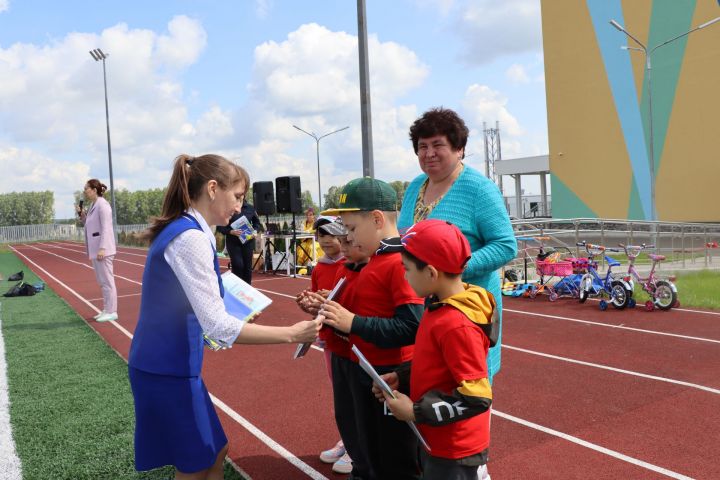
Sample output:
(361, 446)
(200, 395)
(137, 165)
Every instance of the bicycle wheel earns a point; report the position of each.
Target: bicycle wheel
(585, 286)
(619, 296)
(665, 296)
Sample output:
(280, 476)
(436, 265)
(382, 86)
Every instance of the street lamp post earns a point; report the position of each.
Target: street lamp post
(648, 69)
(99, 55)
(317, 150)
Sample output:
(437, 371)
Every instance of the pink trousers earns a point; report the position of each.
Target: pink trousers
(104, 275)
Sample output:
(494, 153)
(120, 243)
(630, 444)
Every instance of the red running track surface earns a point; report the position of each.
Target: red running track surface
(582, 393)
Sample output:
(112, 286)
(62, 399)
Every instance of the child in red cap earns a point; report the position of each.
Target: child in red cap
(449, 392)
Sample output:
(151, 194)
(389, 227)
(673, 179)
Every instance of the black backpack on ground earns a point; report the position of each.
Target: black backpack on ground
(21, 289)
(16, 276)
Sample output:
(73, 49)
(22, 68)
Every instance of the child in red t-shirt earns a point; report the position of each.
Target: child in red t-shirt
(450, 394)
(330, 235)
(381, 318)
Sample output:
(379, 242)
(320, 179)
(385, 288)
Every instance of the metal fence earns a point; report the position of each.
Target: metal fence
(685, 245)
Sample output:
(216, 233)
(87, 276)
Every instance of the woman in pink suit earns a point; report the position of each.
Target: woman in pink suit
(100, 244)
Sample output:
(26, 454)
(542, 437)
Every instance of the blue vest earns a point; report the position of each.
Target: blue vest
(168, 339)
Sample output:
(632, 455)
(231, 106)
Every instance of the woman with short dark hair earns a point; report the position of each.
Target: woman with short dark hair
(450, 190)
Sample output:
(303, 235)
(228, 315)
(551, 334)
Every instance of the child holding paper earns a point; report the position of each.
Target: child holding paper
(450, 394)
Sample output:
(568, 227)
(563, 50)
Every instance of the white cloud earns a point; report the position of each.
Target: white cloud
(486, 105)
(4, 5)
(491, 29)
(311, 80)
(183, 46)
(517, 74)
(52, 99)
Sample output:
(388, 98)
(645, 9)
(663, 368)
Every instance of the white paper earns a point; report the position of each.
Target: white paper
(370, 370)
(302, 348)
(245, 293)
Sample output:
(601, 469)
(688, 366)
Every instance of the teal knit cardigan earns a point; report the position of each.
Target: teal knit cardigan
(474, 204)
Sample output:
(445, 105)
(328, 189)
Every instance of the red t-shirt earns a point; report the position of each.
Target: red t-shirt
(449, 348)
(334, 342)
(381, 289)
(323, 275)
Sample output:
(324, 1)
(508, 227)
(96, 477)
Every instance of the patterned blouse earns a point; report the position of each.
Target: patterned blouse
(422, 211)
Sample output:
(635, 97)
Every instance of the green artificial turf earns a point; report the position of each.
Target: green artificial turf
(699, 289)
(71, 406)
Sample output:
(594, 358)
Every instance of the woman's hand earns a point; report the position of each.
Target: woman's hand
(393, 382)
(305, 331)
(235, 232)
(401, 406)
(101, 254)
(337, 316)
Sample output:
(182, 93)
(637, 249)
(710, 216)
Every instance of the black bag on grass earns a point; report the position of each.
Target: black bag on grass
(16, 276)
(21, 289)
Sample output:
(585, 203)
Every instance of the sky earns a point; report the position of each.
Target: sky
(233, 77)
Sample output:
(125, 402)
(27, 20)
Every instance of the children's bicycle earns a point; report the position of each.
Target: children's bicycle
(662, 291)
(618, 289)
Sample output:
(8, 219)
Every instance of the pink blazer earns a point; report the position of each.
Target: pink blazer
(99, 229)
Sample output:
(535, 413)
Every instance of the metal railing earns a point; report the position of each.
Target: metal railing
(685, 245)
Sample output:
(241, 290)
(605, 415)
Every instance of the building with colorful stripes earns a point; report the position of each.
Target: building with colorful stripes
(598, 103)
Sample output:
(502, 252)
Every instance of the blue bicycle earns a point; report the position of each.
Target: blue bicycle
(617, 289)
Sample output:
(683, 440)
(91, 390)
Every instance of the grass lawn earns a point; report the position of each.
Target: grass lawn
(71, 406)
(699, 289)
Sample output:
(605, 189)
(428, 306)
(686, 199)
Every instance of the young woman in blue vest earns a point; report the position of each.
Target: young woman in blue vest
(182, 292)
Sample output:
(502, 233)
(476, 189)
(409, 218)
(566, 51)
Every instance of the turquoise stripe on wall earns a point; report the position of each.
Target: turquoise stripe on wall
(618, 69)
(669, 19)
(565, 203)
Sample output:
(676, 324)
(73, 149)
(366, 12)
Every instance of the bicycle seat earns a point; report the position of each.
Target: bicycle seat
(656, 258)
(611, 262)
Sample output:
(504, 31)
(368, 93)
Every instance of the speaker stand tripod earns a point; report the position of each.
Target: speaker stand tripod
(265, 252)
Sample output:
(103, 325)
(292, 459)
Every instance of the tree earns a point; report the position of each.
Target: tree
(307, 201)
(399, 186)
(332, 197)
(27, 208)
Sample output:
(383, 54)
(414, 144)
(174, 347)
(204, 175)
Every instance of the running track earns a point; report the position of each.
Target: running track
(582, 393)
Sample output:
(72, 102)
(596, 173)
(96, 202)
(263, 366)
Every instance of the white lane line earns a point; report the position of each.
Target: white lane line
(608, 325)
(10, 465)
(80, 263)
(119, 248)
(84, 253)
(276, 293)
(119, 296)
(260, 435)
(77, 295)
(273, 445)
(592, 446)
(613, 369)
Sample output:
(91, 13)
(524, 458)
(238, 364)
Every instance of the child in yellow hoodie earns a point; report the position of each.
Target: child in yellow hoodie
(449, 392)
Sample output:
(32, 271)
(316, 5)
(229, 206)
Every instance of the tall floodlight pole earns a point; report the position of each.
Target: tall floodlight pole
(317, 150)
(365, 117)
(648, 74)
(99, 55)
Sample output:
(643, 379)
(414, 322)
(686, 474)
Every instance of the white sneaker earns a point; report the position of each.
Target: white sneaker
(334, 454)
(343, 465)
(107, 317)
(99, 315)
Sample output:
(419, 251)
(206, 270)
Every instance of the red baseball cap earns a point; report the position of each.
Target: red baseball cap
(438, 243)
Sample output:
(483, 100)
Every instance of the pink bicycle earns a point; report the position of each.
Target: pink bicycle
(662, 291)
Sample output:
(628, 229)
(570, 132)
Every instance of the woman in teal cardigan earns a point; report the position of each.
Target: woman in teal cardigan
(449, 190)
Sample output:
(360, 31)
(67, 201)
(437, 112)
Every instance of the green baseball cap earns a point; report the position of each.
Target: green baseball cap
(365, 195)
